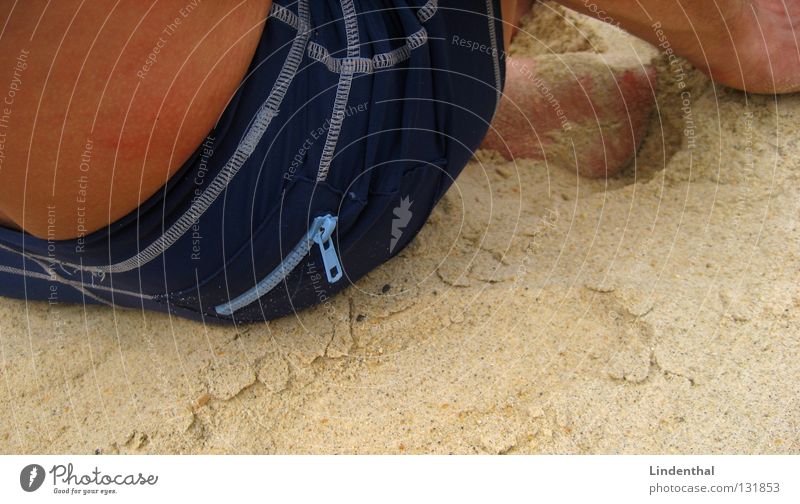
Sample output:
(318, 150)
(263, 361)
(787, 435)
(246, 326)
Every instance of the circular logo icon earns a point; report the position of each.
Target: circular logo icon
(31, 477)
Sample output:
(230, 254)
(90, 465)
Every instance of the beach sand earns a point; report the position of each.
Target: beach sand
(537, 312)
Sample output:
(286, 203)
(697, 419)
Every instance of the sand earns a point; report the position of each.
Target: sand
(537, 312)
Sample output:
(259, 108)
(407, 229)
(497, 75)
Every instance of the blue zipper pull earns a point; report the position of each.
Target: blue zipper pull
(325, 226)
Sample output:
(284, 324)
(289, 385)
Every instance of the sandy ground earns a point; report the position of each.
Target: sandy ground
(658, 312)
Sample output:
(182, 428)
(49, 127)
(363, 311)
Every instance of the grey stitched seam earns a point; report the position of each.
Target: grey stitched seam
(342, 89)
(351, 28)
(383, 60)
(25, 273)
(281, 13)
(337, 118)
(428, 10)
(495, 61)
(71, 283)
(264, 116)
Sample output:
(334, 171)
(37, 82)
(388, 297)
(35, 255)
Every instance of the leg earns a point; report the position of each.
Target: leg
(746, 44)
(513, 10)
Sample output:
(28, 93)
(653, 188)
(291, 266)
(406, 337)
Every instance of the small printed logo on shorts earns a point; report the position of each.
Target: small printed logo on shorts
(31, 477)
(402, 216)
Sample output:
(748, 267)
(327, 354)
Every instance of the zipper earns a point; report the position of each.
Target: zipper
(320, 234)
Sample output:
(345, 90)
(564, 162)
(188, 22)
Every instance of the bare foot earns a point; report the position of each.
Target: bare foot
(766, 35)
(581, 112)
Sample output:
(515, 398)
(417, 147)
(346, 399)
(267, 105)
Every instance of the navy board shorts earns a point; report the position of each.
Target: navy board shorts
(352, 122)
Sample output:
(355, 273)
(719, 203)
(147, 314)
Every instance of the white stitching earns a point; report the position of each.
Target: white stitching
(368, 65)
(53, 277)
(496, 63)
(428, 10)
(342, 89)
(269, 109)
(264, 116)
(25, 273)
(281, 13)
(337, 118)
(378, 61)
(351, 28)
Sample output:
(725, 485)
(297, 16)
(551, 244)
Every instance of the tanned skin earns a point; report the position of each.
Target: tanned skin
(96, 124)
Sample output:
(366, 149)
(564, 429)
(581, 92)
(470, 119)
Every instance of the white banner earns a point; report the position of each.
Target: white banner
(378, 479)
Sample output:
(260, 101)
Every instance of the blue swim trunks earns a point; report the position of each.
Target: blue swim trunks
(354, 119)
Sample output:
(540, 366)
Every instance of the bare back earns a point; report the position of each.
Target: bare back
(103, 101)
